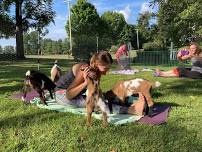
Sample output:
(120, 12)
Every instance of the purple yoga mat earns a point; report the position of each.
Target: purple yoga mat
(160, 116)
(30, 95)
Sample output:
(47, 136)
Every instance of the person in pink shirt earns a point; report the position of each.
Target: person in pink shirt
(122, 51)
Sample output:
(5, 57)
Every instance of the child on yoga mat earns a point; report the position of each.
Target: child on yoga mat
(72, 85)
(195, 72)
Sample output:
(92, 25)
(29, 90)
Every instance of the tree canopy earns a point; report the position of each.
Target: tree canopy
(28, 14)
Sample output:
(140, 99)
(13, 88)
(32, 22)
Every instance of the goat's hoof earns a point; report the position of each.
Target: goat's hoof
(88, 125)
(44, 103)
(151, 111)
(23, 99)
(105, 124)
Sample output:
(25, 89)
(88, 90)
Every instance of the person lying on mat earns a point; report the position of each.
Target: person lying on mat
(71, 87)
(195, 72)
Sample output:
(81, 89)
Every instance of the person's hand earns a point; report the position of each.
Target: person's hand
(88, 72)
(179, 55)
(85, 73)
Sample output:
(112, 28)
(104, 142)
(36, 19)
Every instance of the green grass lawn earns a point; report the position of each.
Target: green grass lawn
(28, 128)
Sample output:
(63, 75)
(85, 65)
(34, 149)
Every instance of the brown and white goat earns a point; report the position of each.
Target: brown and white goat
(39, 82)
(94, 99)
(125, 88)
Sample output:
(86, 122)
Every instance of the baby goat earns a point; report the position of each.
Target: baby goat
(94, 98)
(125, 88)
(56, 72)
(39, 82)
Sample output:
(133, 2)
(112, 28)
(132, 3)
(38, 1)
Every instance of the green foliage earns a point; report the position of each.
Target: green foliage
(9, 49)
(47, 46)
(7, 26)
(84, 19)
(35, 14)
(1, 50)
(31, 43)
(153, 46)
(115, 23)
(178, 21)
(104, 43)
(147, 31)
(84, 47)
(85, 27)
(54, 47)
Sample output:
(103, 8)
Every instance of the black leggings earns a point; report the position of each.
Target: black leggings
(186, 72)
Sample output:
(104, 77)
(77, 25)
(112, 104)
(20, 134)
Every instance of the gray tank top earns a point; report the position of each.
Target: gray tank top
(196, 64)
(66, 80)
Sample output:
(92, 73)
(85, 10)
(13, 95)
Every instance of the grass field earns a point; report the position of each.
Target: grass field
(28, 128)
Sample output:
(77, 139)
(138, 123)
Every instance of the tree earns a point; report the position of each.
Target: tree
(85, 27)
(178, 21)
(47, 46)
(65, 46)
(1, 50)
(129, 35)
(28, 14)
(84, 19)
(7, 26)
(115, 24)
(144, 27)
(31, 42)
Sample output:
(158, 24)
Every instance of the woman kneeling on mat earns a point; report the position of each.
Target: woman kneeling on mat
(71, 87)
(195, 72)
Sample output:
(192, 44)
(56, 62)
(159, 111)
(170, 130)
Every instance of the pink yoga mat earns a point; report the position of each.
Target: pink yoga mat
(30, 95)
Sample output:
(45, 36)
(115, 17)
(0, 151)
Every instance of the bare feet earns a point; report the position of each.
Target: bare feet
(157, 73)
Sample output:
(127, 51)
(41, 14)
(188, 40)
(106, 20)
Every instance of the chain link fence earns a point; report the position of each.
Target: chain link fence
(8, 53)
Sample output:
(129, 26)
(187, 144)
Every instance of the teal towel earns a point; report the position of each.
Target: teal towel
(116, 119)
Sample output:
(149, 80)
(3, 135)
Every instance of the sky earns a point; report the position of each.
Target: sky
(129, 8)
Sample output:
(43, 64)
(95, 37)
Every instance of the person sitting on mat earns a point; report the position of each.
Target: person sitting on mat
(71, 87)
(195, 72)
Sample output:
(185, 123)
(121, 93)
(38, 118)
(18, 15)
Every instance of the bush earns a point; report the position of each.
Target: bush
(153, 46)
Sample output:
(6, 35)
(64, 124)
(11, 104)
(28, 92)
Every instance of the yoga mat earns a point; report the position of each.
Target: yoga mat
(160, 111)
(160, 116)
(116, 119)
(125, 72)
(30, 95)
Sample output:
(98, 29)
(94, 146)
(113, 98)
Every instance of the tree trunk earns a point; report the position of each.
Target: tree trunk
(19, 31)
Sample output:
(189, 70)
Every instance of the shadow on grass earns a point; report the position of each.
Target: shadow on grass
(30, 118)
(186, 86)
(172, 104)
(8, 89)
(17, 69)
(164, 138)
(156, 94)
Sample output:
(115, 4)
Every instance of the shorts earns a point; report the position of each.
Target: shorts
(61, 99)
(186, 72)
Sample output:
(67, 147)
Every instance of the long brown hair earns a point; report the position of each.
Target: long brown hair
(102, 57)
(198, 49)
